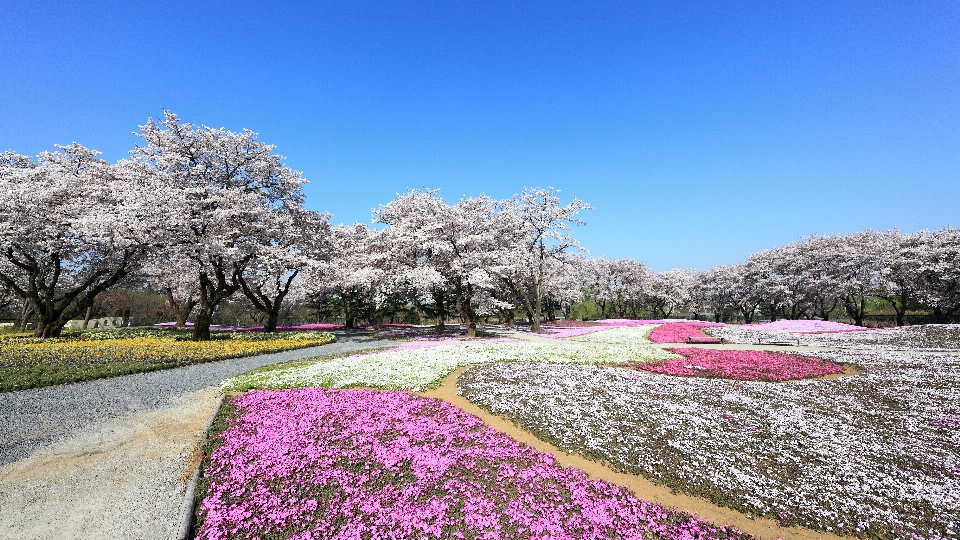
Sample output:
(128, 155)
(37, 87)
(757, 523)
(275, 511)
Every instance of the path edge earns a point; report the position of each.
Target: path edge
(188, 506)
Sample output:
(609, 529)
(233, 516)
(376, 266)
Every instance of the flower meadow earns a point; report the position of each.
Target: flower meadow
(421, 367)
(875, 455)
(921, 337)
(332, 464)
(743, 365)
(682, 332)
(32, 362)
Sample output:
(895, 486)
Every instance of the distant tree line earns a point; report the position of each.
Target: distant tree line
(203, 224)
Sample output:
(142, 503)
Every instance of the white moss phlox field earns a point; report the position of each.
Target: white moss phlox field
(419, 369)
(624, 335)
(873, 455)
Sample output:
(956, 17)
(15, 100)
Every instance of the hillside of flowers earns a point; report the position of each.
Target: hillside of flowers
(321, 463)
(27, 362)
(423, 365)
(875, 455)
(742, 365)
(921, 337)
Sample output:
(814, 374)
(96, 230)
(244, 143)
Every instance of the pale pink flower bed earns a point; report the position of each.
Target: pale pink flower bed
(338, 464)
(804, 326)
(681, 332)
(742, 365)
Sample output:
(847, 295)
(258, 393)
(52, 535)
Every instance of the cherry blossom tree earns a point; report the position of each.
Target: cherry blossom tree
(544, 233)
(460, 242)
(940, 273)
(298, 236)
(71, 227)
(176, 278)
(229, 191)
(350, 272)
(669, 291)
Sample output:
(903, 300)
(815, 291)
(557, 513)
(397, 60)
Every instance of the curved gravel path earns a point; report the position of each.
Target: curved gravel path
(32, 419)
(110, 458)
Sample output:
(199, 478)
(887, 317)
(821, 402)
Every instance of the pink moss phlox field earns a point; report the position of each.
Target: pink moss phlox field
(742, 365)
(681, 332)
(804, 326)
(338, 464)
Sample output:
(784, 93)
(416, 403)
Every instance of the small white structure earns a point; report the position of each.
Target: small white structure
(100, 323)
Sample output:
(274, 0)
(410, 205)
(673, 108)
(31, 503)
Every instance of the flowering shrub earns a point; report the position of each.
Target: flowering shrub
(421, 366)
(928, 336)
(317, 463)
(875, 455)
(682, 332)
(742, 365)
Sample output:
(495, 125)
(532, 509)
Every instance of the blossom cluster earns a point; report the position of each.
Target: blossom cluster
(920, 337)
(743, 365)
(682, 332)
(319, 463)
(875, 455)
(420, 367)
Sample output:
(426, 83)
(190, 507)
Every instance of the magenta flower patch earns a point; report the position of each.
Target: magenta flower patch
(742, 365)
(686, 332)
(322, 463)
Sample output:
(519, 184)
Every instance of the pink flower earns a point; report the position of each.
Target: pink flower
(742, 365)
(685, 332)
(370, 464)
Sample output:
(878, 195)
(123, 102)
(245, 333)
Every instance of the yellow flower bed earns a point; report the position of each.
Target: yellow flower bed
(143, 350)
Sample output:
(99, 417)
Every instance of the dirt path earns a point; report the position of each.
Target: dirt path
(641, 487)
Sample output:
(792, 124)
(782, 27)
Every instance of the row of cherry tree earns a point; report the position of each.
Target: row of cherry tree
(811, 278)
(207, 214)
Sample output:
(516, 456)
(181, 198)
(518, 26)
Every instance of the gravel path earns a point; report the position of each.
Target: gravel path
(110, 458)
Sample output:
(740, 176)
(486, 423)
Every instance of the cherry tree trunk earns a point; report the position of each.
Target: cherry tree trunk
(349, 315)
(201, 328)
(270, 322)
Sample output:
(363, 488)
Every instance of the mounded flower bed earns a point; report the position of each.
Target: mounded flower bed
(683, 332)
(422, 366)
(742, 365)
(920, 337)
(875, 455)
(319, 463)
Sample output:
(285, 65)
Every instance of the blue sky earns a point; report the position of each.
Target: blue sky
(701, 131)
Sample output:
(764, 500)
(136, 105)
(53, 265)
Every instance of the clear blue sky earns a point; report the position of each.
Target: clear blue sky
(701, 131)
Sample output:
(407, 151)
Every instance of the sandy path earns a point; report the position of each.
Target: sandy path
(641, 487)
